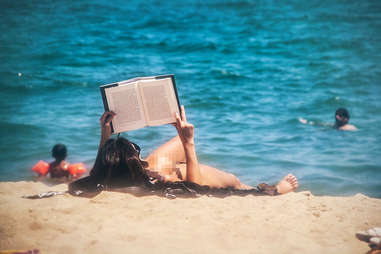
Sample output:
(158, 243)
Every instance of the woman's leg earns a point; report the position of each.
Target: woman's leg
(169, 161)
(164, 159)
(167, 155)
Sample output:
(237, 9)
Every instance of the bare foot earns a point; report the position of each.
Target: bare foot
(287, 184)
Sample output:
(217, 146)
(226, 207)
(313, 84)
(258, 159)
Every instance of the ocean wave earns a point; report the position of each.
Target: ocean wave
(223, 73)
(28, 130)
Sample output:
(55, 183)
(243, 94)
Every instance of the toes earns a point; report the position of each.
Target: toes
(290, 178)
(294, 182)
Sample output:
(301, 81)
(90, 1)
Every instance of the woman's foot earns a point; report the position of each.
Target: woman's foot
(287, 184)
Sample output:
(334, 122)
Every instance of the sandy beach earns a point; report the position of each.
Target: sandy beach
(123, 223)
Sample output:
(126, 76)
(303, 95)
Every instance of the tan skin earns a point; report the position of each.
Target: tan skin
(176, 160)
(58, 172)
(59, 169)
(343, 125)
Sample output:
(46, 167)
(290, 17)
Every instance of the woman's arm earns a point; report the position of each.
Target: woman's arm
(186, 134)
(106, 127)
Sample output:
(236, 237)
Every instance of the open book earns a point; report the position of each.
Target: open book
(140, 102)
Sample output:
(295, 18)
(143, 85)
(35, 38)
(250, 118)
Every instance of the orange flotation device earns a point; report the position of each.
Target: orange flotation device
(41, 167)
(77, 169)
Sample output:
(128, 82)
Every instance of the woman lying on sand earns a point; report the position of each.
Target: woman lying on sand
(172, 169)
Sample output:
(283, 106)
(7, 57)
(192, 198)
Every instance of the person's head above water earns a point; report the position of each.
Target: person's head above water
(341, 120)
(342, 117)
(59, 152)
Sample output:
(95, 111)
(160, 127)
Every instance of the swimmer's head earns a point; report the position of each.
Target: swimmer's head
(341, 117)
(59, 152)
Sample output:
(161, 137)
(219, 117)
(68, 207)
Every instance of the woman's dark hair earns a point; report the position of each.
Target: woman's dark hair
(118, 165)
(118, 162)
(59, 152)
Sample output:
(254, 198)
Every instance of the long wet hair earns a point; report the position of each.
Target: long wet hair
(118, 164)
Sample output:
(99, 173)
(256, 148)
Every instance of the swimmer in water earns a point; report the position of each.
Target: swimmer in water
(341, 120)
(59, 167)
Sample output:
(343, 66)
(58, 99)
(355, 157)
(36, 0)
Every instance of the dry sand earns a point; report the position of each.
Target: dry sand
(122, 223)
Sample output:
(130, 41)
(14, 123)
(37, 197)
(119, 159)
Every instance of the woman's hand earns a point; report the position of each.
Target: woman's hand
(105, 121)
(184, 129)
(186, 134)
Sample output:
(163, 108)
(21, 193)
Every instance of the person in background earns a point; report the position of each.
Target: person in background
(341, 120)
(59, 167)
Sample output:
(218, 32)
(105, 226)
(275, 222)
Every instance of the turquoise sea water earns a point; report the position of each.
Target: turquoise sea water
(245, 71)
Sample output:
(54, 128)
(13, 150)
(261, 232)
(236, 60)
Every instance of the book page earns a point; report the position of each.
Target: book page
(159, 101)
(124, 100)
